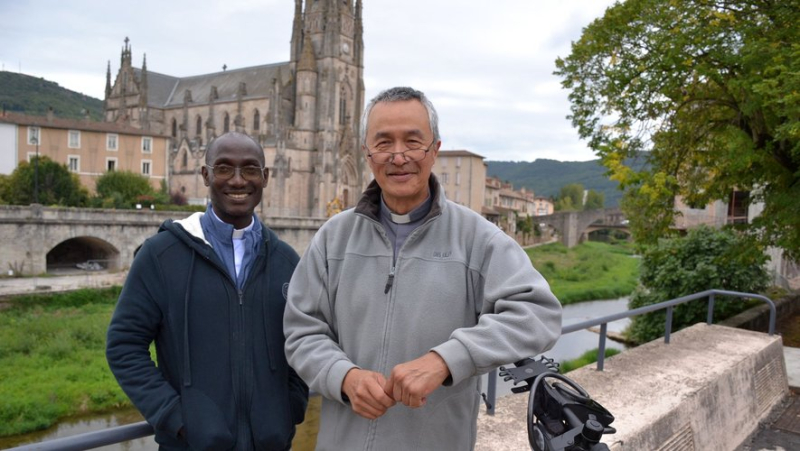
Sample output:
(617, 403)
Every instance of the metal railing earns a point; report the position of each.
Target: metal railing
(134, 431)
(668, 305)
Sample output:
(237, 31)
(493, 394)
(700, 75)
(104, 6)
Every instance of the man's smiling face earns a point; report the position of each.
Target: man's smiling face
(234, 199)
(397, 126)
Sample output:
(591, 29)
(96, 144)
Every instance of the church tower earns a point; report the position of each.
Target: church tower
(126, 100)
(327, 59)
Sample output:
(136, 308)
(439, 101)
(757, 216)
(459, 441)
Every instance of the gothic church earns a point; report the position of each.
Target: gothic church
(305, 112)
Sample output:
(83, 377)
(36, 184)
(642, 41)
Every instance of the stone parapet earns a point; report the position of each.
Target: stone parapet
(707, 390)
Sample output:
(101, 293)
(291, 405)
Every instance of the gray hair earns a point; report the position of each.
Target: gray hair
(397, 94)
(211, 150)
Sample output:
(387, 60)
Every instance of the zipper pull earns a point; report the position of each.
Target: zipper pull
(240, 296)
(389, 281)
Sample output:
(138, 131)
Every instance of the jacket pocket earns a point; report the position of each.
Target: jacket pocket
(271, 418)
(206, 427)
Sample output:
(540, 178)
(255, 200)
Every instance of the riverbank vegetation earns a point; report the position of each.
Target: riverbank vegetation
(590, 271)
(52, 359)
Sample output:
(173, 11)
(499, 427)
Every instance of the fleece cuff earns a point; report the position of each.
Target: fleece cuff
(458, 361)
(336, 377)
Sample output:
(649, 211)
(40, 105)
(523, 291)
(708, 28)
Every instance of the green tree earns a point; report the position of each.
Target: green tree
(702, 260)
(123, 189)
(570, 197)
(56, 185)
(708, 92)
(594, 200)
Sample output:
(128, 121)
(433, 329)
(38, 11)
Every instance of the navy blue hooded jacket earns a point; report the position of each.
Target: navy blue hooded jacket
(222, 374)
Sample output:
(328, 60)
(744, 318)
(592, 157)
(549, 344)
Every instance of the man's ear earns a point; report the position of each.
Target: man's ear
(204, 172)
(266, 177)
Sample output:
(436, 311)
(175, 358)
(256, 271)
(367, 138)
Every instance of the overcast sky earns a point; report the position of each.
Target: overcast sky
(486, 66)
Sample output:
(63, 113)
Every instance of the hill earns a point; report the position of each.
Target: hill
(31, 95)
(546, 177)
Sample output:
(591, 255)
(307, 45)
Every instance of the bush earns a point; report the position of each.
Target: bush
(123, 189)
(704, 259)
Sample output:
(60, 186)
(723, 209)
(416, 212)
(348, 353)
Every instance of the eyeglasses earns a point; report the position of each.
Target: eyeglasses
(225, 172)
(415, 151)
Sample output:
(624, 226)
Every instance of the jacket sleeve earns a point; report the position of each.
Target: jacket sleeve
(311, 342)
(520, 317)
(134, 326)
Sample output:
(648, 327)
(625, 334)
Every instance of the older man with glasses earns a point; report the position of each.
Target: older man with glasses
(210, 291)
(399, 305)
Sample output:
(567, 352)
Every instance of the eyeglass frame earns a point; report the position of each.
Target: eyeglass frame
(238, 170)
(403, 153)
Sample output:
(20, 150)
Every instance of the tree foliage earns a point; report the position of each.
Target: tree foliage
(704, 259)
(56, 185)
(124, 189)
(709, 91)
(570, 197)
(594, 200)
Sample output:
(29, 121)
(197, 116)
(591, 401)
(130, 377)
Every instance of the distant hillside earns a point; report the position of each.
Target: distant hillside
(546, 177)
(31, 95)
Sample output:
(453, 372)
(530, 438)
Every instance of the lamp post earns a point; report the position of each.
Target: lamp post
(35, 140)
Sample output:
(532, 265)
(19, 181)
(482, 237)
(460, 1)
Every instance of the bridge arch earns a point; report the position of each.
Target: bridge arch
(83, 250)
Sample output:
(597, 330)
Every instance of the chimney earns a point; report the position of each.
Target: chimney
(50, 114)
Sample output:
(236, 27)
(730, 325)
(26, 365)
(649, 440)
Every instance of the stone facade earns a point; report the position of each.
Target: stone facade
(304, 112)
(461, 175)
(88, 148)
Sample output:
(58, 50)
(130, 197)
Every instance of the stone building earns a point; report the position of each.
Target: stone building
(88, 148)
(304, 112)
(461, 175)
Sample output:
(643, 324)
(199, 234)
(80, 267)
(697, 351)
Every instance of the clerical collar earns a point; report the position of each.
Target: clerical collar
(237, 234)
(414, 215)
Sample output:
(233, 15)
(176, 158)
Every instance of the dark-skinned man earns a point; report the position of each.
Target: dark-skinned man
(210, 291)
(399, 304)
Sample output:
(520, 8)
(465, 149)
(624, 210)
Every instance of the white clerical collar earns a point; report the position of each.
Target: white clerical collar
(413, 215)
(238, 234)
(400, 219)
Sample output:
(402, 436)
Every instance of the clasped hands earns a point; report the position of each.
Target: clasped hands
(410, 383)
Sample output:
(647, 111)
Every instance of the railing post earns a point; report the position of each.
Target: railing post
(710, 317)
(668, 325)
(492, 392)
(601, 351)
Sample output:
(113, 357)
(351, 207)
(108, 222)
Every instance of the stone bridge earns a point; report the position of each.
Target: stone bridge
(573, 226)
(37, 240)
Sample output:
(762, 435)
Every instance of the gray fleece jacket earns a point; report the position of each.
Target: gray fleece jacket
(460, 287)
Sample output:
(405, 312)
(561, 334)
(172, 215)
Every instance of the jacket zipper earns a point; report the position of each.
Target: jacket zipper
(389, 281)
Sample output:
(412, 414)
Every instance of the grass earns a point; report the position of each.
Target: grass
(587, 358)
(52, 359)
(589, 271)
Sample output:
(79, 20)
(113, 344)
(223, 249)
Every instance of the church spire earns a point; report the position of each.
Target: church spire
(143, 84)
(108, 80)
(307, 60)
(297, 31)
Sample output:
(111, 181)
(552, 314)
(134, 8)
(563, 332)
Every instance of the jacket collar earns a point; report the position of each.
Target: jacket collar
(370, 203)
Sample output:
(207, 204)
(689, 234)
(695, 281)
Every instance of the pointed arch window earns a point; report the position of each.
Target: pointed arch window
(226, 124)
(342, 107)
(198, 126)
(174, 127)
(185, 160)
(256, 120)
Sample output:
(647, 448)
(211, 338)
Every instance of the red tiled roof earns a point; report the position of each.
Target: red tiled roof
(73, 124)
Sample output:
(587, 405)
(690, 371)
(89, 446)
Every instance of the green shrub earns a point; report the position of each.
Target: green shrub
(704, 259)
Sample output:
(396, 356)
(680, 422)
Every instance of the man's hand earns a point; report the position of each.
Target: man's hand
(365, 390)
(412, 382)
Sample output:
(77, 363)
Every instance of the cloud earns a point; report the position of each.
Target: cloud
(488, 68)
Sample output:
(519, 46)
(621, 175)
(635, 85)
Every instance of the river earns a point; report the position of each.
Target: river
(569, 346)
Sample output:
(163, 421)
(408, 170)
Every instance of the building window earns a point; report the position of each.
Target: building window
(174, 128)
(185, 160)
(444, 161)
(226, 124)
(256, 120)
(458, 178)
(111, 164)
(198, 126)
(458, 162)
(444, 178)
(74, 139)
(112, 141)
(147, 144)
(33, 136)
(342, 107)
(146, 167)
(74, 163)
